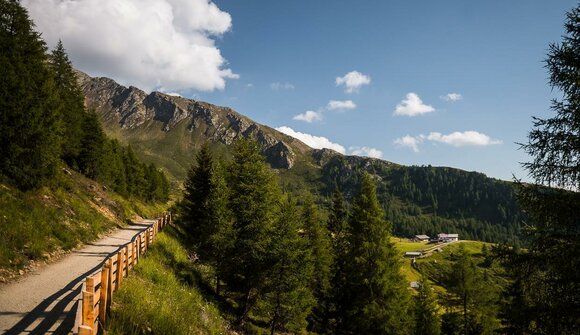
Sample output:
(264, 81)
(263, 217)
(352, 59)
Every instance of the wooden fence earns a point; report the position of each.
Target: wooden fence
(98, 288)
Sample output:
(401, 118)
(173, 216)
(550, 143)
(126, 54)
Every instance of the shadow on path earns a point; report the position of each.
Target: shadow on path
(53, 309)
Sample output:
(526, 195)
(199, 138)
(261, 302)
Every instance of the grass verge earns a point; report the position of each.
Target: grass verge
(160, 297)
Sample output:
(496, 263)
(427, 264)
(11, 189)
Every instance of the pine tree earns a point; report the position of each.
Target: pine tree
(376, 295)
(204, 210)
(475, 296)
(92, 152)
(289, 296)
(545, 291)
(338, 227)
(320, 247)
(72, 99)
(30, 121)
(427, 321)
(135, 175)
(253, 202)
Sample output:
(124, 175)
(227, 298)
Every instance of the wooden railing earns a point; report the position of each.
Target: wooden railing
(98, 288)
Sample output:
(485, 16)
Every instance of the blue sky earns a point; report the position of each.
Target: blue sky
(276, 60)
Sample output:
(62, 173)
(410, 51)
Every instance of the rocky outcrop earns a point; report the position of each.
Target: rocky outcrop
(132, 108)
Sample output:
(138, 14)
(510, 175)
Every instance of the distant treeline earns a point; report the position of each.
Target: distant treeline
(430, 200)
(44, 122)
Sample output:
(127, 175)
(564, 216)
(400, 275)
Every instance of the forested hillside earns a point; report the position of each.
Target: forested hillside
(63, 181)
(419, 200)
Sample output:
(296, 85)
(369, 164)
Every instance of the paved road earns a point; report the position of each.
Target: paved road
(44, 301)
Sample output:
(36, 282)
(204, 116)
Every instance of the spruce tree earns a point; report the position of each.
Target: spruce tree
(475, 296)
(376, 296)
(73, 108)
(204, 210)
(545, 294)
(253, 200)
(30, 121)
(289, 296)
(92, 152)
(320, 247)
(427, 321)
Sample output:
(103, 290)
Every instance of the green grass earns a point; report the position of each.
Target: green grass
(159, 297)
(40, 224)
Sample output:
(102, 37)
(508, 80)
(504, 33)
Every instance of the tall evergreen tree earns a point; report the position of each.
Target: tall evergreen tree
(253, 202)
(320, 247)
(73, 108)
(204, 209)
(545, 291)
(289, 296)
(475, 297)
(30, 121)
(377, 297)
(92, 152)
(427, 321)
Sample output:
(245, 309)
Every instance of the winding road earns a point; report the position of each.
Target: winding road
(44, 301)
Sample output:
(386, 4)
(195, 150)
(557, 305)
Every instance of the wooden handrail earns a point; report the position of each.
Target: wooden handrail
(97, 290)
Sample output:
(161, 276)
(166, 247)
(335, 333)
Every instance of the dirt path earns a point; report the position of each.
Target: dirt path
(44, 301)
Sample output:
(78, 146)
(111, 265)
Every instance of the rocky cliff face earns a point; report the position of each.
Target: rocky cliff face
(131, 108)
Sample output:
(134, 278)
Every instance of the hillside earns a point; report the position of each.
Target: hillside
(43, 224)
(168, 130)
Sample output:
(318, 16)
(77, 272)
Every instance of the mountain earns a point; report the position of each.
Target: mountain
(167, 130)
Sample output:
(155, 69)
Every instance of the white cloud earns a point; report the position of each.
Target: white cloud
(352, 81)
(456, 139)
(412, 105)
(173, 94)
(145, 43)
(459, 139)
(341, 105)
(317, 142)
(409, 141)
(452, 97)
(309, 116)
(366, 151)
(281, 86)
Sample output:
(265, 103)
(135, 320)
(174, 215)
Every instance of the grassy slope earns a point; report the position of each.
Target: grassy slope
(160, 296)
(436, 264)
(39, 225)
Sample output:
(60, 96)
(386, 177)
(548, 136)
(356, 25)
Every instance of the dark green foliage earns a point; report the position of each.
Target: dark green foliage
(375, 297)
(544, 296)
(30, 121)
(429, 200)
(473, 295)
(92, 152)
(289, 296)
(427, 320)
(204, 208)
(73, 108)
(319, 244)
(253, 197)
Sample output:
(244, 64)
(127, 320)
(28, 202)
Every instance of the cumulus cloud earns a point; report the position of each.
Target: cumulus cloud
(456, 139)
(366, 151)
(409, 141)
(340, 105)
(309, 116)
(452, 97)
(281, 86)
(146, 43)
(317, 142)
(352, 81)
(412, 105)
(459, 139)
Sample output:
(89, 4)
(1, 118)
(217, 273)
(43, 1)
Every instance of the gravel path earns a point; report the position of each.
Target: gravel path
(44, 301)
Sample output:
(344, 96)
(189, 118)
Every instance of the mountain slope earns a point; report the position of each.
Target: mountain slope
(168, 130)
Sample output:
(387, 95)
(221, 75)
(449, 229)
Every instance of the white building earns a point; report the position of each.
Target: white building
(448, 237)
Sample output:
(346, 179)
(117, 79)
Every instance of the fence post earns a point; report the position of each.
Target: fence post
(126, 259)
(110, 288)
(85, 330)
(119, 268)
(104, 289)
(88, 309)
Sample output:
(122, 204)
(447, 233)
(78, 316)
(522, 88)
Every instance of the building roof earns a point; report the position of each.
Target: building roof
(413, 253)
(423, 237)
(443, 235)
